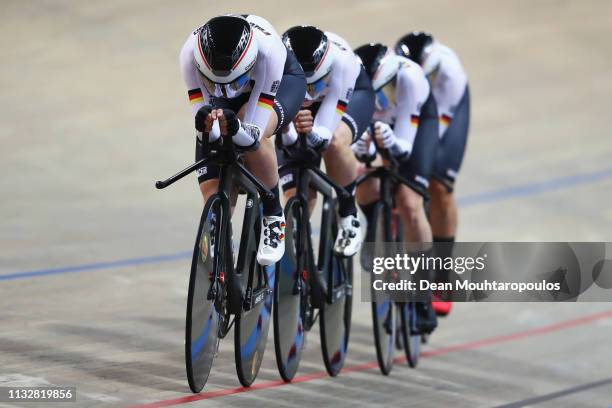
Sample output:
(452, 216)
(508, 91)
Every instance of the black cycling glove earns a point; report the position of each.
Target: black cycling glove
(200, 118)
(233, 123)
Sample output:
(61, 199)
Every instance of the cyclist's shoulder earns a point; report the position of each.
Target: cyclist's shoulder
(262, 28)
(269, 42)
(343, 53)
(446, 51)
(186, 53)
(338, 41)
(450, 63)
(409, 71)
(411, 81)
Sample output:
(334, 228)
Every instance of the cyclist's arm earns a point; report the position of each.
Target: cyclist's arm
(268, 75)
(448, 92)
(198, 96)
(412, 92)
(344, 75)
(449, 87)
(289, 135)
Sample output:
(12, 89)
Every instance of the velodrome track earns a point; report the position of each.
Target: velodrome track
(94, 261)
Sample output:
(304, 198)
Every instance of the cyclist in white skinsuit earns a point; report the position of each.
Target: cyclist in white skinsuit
(450, 88)
(338, 106)
(450, 83)
(406, 128)
(242, 82)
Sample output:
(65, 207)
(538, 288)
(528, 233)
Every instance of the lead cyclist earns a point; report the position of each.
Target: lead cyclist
(242, 82)
(338, 106)
(450, 89)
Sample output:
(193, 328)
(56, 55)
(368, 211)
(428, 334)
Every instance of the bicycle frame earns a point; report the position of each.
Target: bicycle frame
(232, 173)
(309, 177)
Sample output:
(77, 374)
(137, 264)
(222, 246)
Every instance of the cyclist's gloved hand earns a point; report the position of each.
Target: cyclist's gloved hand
(319, 138)
(389, 141)
(364, 148)
(201, 118)
(206, 124)
(232, 122)
(385, 135)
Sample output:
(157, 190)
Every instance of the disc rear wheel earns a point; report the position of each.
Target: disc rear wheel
(253, 321)
(335, 311)
(383, 310)
(410, 342)
(289, 290)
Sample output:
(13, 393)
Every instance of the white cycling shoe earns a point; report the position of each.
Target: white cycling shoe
(349, 239)
(271, 240)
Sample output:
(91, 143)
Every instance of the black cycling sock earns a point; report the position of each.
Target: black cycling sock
(426, 317)
(272, 207)
(368, 210)
(443, 249)
(346, 206)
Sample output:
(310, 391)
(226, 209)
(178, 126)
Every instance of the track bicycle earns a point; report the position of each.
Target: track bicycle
(394, 323)
(307, 289)
(221, 284)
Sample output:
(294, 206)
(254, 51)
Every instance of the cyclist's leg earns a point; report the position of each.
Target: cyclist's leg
(411, 203)
(341, 164)
(418, 168)
(288, 179)
(368, 192)
(443, 209)
(208, 176)
(411, 207)
(286, 104)
(263, 162)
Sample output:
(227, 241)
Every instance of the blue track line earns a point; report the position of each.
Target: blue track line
(466, 201)
(534, 188)
(100, 265)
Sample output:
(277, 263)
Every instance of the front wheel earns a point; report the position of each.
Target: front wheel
(202, 322)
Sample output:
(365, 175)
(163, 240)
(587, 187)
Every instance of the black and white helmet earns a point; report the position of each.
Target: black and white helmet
(312, 48)
(371, 54)
(226, 51)
(419, 46)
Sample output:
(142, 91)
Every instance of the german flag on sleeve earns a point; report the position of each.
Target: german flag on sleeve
(265, 101)
(414, 120)
(195, 95)
(445, 120)
(341, 108)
